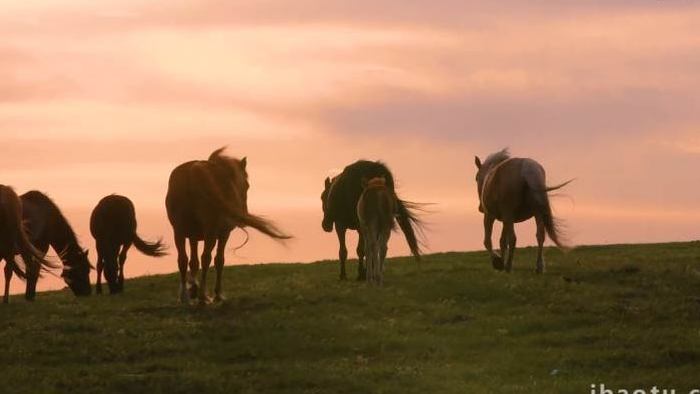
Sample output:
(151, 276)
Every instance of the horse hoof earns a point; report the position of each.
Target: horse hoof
(205, 300)
(219, 298)
(497, 263)
(194, 291)
(184, 299)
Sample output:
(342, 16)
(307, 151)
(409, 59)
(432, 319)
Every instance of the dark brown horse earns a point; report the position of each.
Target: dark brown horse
(113, 225)
(14, 239)
(514, 190)
(376, 211)
(47, 226)
(206, 200)
(339, 200)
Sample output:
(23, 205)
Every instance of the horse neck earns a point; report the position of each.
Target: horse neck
(64, 242)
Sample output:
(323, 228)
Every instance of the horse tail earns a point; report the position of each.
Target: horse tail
(559, 186)
(410, 224)
(14, 226)
(235, 212)
(153, 249)
(552, 225)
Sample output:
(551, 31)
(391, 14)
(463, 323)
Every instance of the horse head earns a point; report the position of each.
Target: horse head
(484, 168)
(77, 273)
(327, 223)
(234, 172)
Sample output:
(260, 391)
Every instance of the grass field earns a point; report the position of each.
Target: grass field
(627, 316)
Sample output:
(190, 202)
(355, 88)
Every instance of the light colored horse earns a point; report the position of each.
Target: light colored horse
(513, 190)
(206, 200)
(376, 210)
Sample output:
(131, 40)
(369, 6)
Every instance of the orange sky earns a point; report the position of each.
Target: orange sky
(107, 97)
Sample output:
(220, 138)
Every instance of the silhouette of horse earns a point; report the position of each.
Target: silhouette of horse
(339, 201)
(14, 239)
(514, 190)
(47, 226)
(113, 225)
(206, 200)
(375, 212)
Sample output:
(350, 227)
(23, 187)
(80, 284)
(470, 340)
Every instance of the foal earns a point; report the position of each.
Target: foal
(376, 210)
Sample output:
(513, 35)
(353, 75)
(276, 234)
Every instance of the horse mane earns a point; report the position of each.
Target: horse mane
(496, 158)
(41, 198)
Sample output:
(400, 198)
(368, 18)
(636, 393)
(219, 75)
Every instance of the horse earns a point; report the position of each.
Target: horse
(339, 203)
(113, 225)
(206, 200)
(14, 239)
(513, 190)
(375, 212)
(47, 226)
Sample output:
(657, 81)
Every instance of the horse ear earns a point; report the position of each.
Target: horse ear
(477, 161)
(244, 162)
(328, 183)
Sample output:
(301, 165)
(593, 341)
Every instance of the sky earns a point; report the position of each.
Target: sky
(108, 97)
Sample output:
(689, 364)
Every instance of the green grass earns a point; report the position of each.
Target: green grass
(627, 316)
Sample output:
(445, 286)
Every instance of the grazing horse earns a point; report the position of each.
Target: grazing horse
(47, 226)
(375, 212)
(339, 202)
(14, 239)
(113, 225)
(513, 190)
(206, 200)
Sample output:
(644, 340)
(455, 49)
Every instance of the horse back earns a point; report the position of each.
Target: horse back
(113, 218)
(347, 190)
(377, 206)
(193, 201)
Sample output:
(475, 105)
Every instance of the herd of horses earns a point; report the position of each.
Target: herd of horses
(207, 199)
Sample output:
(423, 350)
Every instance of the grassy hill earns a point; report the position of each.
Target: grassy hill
(627, 316)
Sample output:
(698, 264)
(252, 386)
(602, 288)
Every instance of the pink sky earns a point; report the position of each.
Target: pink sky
(107, 97)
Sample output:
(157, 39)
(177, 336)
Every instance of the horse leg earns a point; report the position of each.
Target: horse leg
(361, 257)
(219, 261)
(8, 278)
(209, 244)
(180, 242)
(33, 268)
(194, 268)
(540, 244)
(504, 245)
(343, 251)
(122, 261)
(383, 250)
(511, 245)
(496, 261)
(111, 268)
(369, 256)
(99, 268)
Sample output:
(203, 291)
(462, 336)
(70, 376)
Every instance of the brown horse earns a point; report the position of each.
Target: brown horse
(14, 239)
(113, 225)
(339, 202)
(376, 211)
(206, 200)
(47, 227)
(514, 190)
